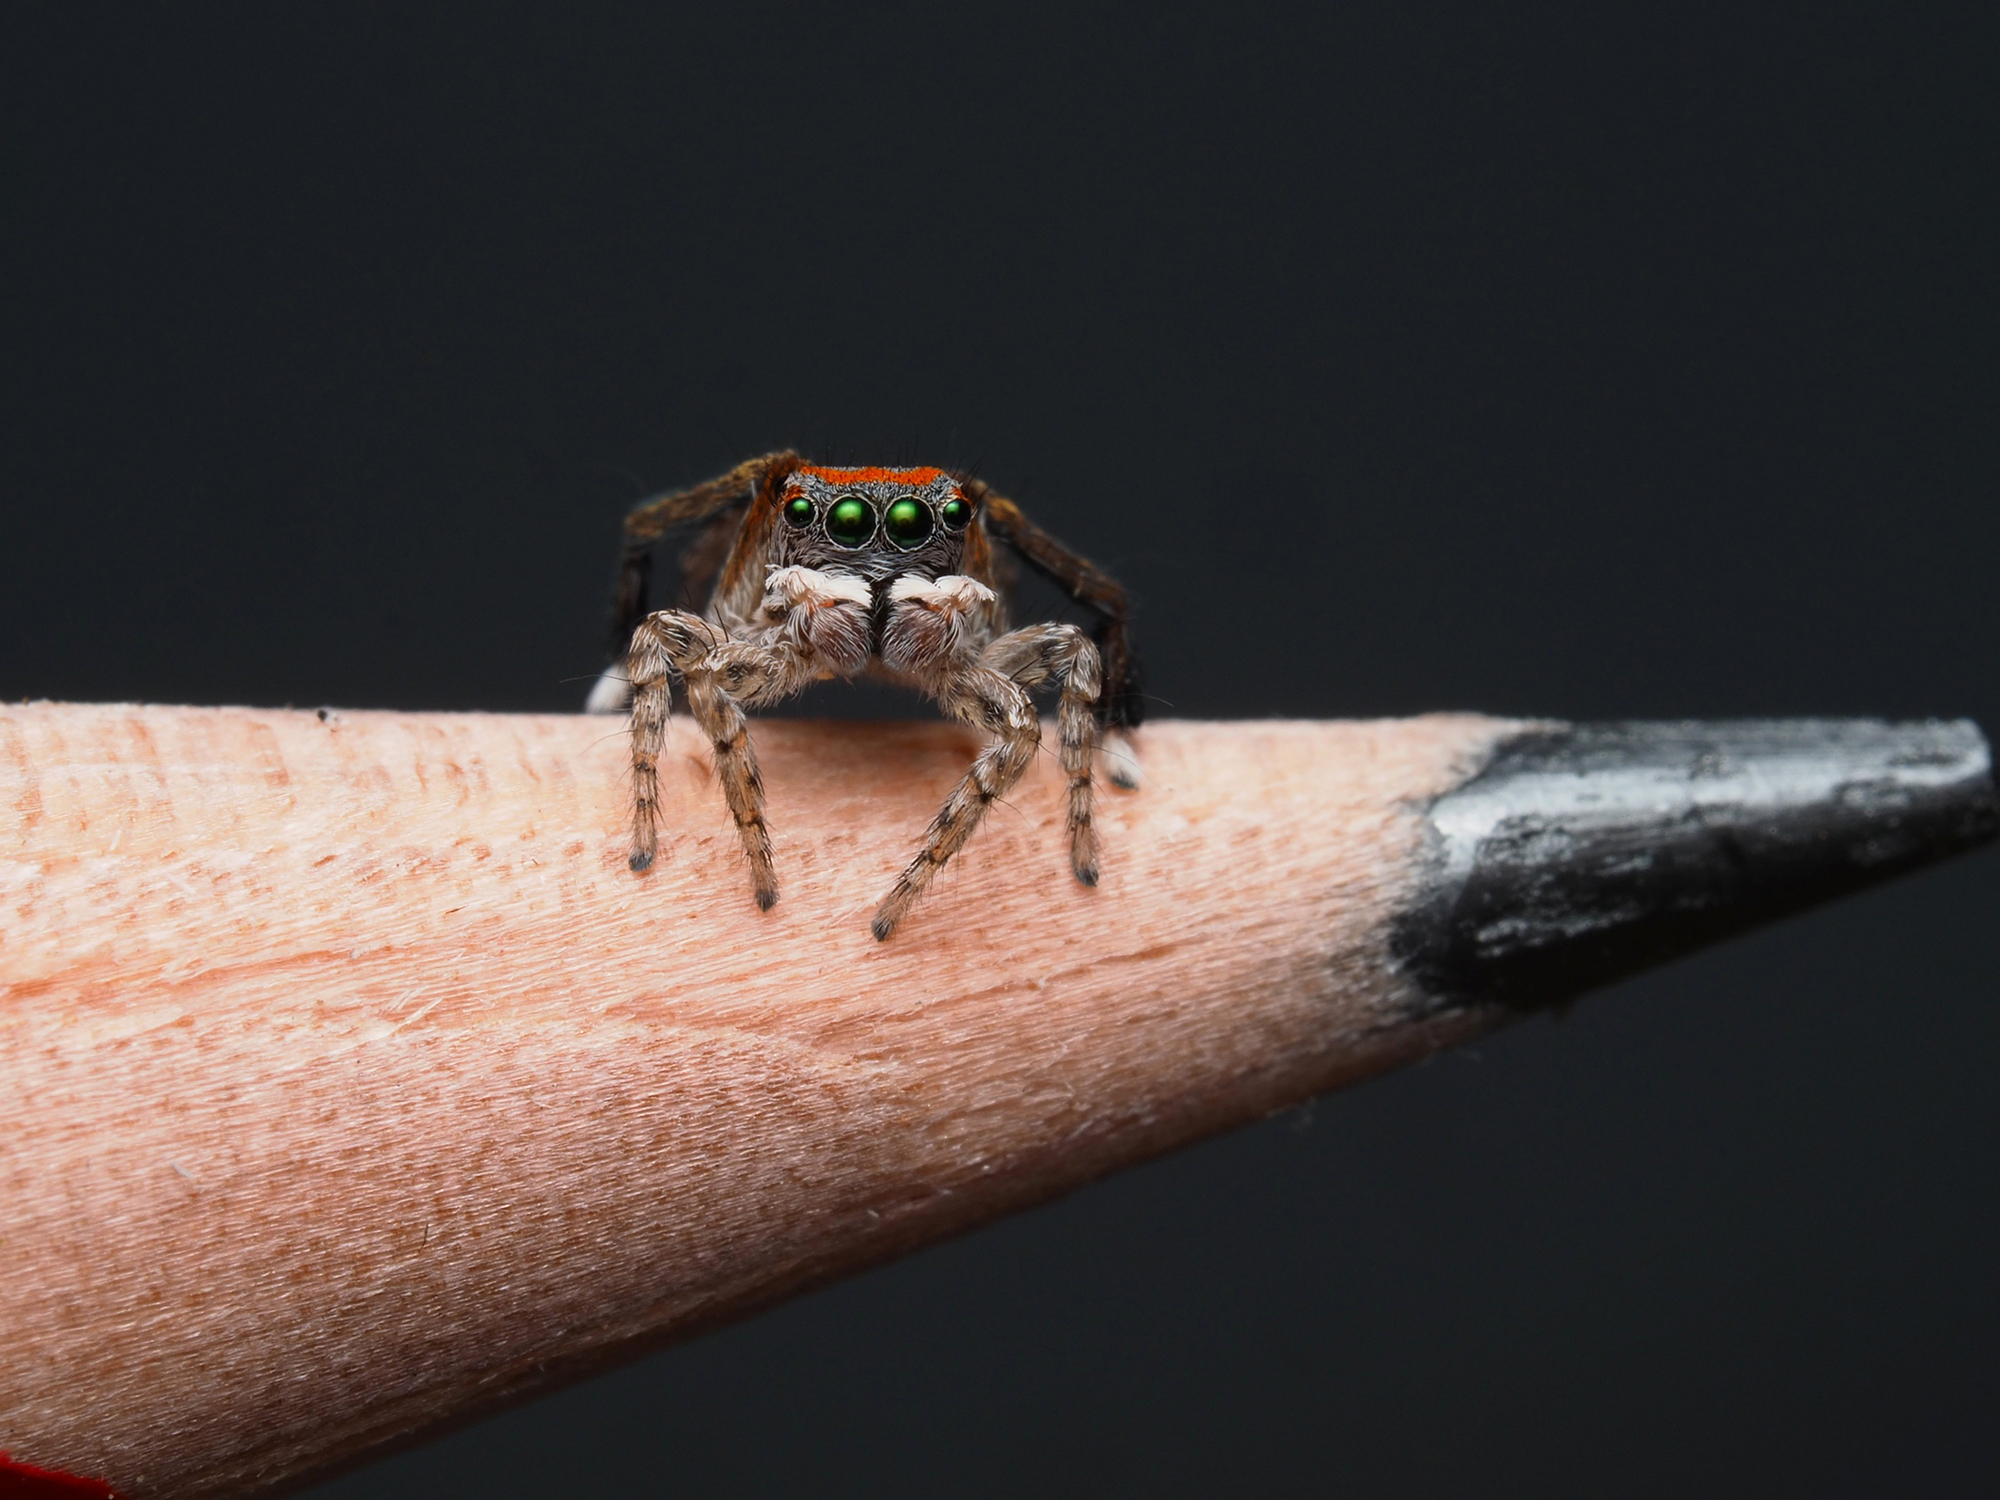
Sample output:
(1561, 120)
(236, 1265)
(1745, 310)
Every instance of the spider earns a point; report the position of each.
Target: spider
(811, 573)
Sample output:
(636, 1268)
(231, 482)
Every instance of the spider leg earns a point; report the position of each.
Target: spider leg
(993, 694)
(722, 675)
(1120, 752)
(1029, 657)
(670, 638)
(1123, 706)
(645, 524)
(981, 696)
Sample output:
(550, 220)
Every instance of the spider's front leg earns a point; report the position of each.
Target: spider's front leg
(810, 624)
(992, 694)
(722, 675)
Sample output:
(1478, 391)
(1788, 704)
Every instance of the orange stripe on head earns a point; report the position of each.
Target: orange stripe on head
(873, 475)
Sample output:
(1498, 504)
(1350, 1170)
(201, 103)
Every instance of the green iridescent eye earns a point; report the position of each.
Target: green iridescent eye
(956, 514)
(799, 512)
(908, 523)
(850, 522)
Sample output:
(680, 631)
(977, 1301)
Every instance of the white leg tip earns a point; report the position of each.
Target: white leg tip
(1120, 759)
(610, 693)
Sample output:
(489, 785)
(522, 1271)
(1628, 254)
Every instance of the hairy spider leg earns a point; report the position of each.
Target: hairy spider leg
(1123, 705)
(1029, 657)
(722, 676)
(992, 694)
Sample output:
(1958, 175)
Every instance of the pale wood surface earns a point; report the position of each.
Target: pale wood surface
(349, 1082)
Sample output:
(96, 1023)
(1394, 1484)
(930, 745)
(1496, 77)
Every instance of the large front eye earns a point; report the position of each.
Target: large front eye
(799, 511)
(908, 523)
(850, 522)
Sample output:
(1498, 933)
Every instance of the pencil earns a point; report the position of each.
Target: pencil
(355, 1086)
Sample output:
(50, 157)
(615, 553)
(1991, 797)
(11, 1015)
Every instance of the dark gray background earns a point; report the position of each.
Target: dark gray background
(1414, 358)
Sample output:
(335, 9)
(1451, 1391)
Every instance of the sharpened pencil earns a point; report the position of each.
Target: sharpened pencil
(356, 1086)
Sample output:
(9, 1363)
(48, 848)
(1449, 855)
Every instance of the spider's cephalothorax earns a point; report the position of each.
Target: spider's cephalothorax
(804, 573)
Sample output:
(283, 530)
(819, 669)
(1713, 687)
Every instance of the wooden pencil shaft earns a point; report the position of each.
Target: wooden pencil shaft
(353, 1083)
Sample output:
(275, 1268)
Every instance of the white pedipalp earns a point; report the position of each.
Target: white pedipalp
(809, 588)
(954, 592)
(931, 622)
(824, 615)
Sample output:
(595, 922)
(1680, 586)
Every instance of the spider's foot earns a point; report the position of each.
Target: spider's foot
(611, 692)
(1121, 761)
(895, 906)
(1083, 848)
(767, 897)
(641, 861)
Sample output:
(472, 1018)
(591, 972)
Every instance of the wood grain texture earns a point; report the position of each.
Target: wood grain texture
(353, 1084)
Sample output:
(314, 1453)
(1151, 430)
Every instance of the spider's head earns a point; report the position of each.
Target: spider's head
(876, 523)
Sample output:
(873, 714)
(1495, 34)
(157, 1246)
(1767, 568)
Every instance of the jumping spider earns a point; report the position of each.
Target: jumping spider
(811, 573)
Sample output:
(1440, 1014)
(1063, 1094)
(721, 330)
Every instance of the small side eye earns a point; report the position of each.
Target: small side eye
(850, 521)
(799, 512)
(956, 513)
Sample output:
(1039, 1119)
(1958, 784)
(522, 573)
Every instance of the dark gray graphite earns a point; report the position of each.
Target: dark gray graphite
(1583, 853)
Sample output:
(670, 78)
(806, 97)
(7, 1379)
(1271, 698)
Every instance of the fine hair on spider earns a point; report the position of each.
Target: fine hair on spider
(796, 572)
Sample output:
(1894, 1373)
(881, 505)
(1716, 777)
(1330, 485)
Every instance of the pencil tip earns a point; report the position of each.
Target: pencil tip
(1580, 854)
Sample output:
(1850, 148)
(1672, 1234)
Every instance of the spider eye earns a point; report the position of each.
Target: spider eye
(799, 511)
(908, 523)
(850, 522)
(956, 514)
